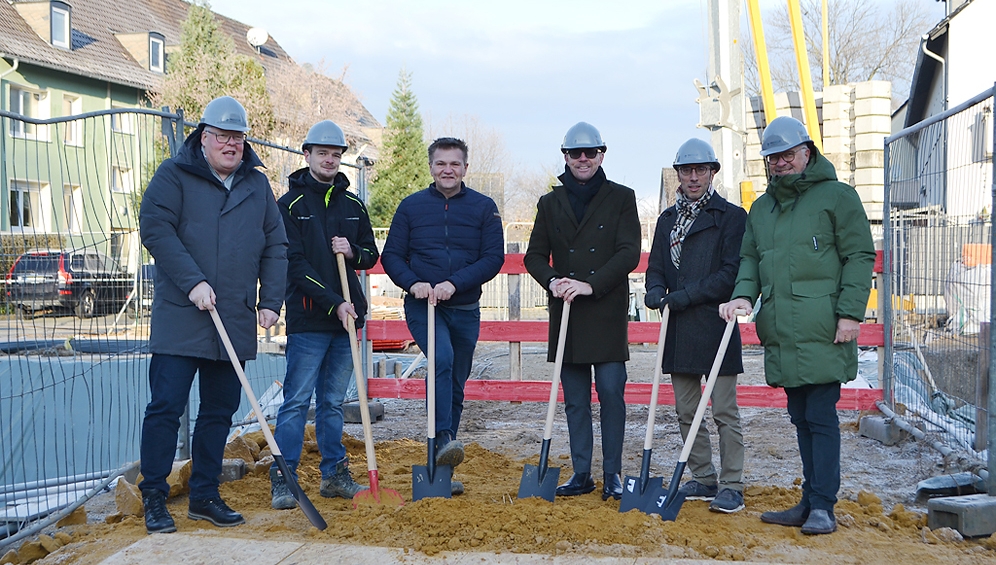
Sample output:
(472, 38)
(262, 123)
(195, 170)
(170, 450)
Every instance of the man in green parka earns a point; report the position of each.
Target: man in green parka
(808, 254)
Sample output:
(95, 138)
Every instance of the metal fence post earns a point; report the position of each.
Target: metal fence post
(885, 293)
(991, 463)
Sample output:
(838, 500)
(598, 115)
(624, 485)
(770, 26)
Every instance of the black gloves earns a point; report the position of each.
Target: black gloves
(654, 298)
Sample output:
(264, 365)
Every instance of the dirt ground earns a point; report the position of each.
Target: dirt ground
(879, 520)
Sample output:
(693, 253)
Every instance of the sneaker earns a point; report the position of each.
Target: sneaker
(280, 494)
(214, 510)
(157, 518)
(340, 484)
(456, 488)
(450, 454)
(694, 490)
(728, 501)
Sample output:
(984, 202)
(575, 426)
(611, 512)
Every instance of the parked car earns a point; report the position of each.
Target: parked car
(82, 281)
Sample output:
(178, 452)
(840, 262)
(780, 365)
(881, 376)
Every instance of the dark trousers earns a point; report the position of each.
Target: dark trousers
(457, 330)
(170, 379)
(610, 384)
(813, 410)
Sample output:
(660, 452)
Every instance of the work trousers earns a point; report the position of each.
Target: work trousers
(726, 415)
(813, 411)
(610, 384)
(319, 364)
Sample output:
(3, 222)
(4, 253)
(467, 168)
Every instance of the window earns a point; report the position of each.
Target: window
(121, 123)
(32, 104)
(121, 179)
(72, 206)
(73, 133)
(29, 206)
(156, 53)
(61, 30)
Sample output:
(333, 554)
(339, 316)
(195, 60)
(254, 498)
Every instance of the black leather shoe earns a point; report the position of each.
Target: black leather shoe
(214, 510)
(157, 518)
(580, 483)
(612, 487)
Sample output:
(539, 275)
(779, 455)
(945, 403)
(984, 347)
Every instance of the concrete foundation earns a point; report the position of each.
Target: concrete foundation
(973, 515)
(351, 412)
(882, 429)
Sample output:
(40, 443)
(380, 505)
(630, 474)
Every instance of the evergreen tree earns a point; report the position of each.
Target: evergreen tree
(404, 165)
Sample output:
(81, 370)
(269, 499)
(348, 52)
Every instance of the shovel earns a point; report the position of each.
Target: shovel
(542, 481)
(302, 499)
(668, 503)
(640, 492)
(429, 481)
(374, 494)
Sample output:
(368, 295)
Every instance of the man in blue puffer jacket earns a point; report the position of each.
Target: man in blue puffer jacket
(445, 242)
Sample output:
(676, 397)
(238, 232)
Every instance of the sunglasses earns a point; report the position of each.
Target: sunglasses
(590, 153)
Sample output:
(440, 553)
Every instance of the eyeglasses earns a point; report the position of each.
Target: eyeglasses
(224, 138)
(590, 153)
(787, 156)
(700, 170)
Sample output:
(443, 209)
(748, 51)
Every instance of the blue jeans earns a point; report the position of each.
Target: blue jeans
(456, 338)
(610, 384)
(813, 410)
(318, 363)
(170, 379)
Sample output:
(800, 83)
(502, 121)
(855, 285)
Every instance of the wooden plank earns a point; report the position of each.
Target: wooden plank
(636, 393)
(872, 335)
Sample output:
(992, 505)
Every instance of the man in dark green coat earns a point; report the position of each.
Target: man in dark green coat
(808, 253)
(589, 226)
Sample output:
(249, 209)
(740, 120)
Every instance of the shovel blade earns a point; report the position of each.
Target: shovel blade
(438, 487)
(662, 506)
(532, 484)
(632, 497)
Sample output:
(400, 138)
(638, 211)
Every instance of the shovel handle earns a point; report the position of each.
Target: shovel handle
(361, 386)
(270, 441)
(649, 440)
(430, 392)
(710, 384)
(558, 365)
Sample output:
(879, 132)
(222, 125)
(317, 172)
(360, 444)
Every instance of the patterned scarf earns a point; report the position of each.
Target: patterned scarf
(687, 211)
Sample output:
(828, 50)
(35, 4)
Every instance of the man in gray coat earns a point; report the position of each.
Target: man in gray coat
(693, 265)
(210, 221)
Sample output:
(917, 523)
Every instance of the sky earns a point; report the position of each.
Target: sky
(528, 68)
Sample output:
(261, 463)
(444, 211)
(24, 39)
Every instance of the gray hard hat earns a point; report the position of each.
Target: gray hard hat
(582, 135)
(782, 134)
(226, 113)
(694, 152)
(327, 133)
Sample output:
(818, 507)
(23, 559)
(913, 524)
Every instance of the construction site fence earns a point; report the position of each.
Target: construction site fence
(938, 257)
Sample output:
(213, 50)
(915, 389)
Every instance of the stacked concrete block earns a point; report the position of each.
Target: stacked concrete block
(855, 119)
(872, 124)
(838, 136)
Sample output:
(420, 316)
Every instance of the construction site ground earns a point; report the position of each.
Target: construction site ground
(879, 519)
